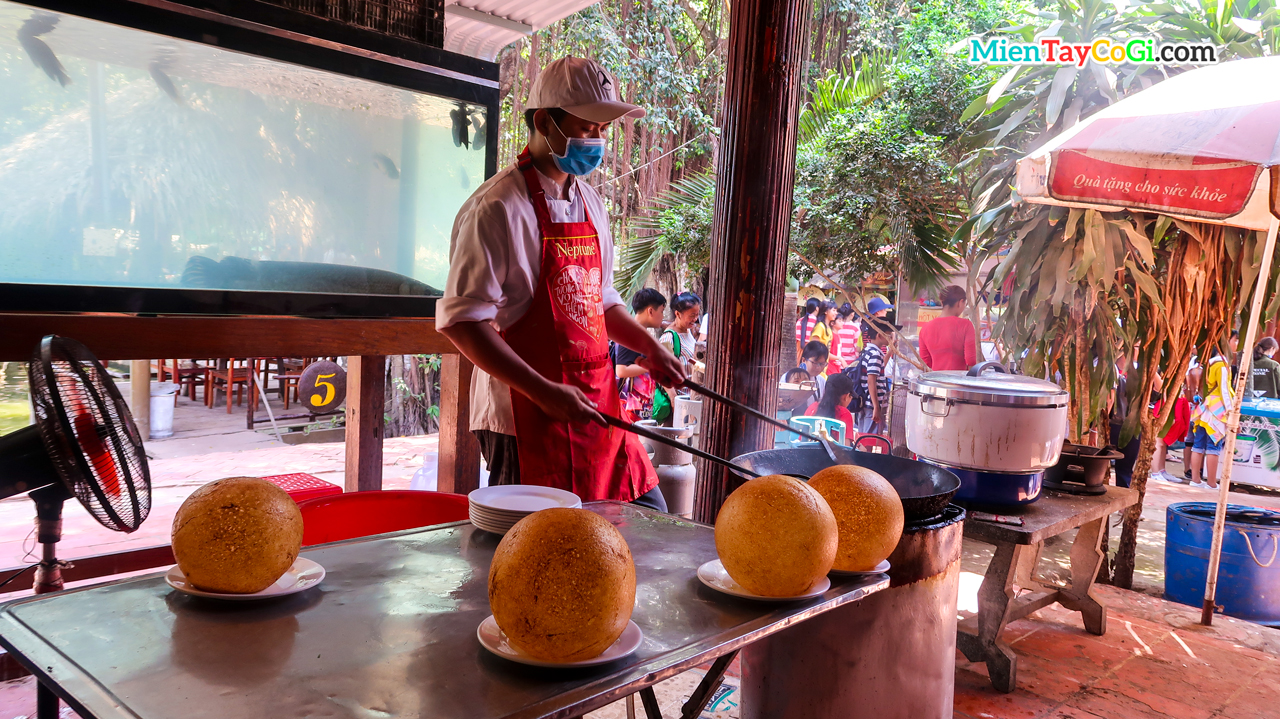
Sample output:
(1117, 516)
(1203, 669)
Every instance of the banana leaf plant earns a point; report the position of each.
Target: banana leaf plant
(678, 222)
(839, 92)
(1242, 28)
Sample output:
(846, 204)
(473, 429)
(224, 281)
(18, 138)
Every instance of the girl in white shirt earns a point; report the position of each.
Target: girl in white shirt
(686, 309)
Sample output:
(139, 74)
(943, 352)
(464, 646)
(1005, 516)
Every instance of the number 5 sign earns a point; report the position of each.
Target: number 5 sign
(322, 386)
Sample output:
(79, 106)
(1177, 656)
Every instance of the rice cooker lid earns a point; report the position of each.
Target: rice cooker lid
(994, 388)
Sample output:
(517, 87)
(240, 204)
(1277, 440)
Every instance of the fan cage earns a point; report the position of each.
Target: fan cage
(418, 20)
(77, 408)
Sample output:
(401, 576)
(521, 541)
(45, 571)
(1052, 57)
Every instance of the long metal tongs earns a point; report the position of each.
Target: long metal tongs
(838, 453)
(662, 439)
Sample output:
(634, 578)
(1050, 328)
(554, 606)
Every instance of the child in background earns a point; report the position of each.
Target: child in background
(835, 402)
(805, 323)
(1191, 390)
(822, 331)
(814, 361)
(850, 336)
(874, 387)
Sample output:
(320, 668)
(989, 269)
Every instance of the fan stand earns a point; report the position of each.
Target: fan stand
(49, 501)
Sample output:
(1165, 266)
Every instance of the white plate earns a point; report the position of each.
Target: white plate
(714, 575)
(522, 498)
(492, 638)
(881, 568)
(495, 528)
(476, 511)
(303, 575)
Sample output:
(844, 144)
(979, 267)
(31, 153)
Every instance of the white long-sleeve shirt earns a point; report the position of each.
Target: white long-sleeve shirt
(495, 258)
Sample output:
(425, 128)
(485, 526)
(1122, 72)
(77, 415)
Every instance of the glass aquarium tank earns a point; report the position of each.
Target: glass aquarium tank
(130, 159)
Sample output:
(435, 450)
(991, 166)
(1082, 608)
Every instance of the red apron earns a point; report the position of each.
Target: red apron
(591, 461)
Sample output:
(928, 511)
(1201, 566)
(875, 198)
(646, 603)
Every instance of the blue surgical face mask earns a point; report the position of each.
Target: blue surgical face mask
(581, 154)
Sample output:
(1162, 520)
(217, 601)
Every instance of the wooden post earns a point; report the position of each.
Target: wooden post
(752, 223)
(140, 396)
(366, 399)
(459, 452)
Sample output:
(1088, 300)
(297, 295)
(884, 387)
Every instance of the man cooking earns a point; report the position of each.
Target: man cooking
(530, 301)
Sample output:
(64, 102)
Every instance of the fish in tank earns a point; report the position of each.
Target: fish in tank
(139, 160)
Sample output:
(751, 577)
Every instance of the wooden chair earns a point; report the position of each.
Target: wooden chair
(191, 377)
(187, 378)
(161, 368)
(237, 375)
(290, 371)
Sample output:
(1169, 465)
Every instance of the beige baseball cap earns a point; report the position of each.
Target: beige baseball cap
(580, 87)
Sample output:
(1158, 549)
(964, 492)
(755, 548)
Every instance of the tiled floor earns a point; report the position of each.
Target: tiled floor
(1154, 661)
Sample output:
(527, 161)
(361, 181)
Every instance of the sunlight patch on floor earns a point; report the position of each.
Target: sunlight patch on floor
(970, 582)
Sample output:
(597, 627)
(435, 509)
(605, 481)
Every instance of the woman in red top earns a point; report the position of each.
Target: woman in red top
(835, 402)
(946, 343)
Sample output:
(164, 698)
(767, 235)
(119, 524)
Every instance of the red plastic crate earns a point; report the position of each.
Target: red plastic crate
(301, 487)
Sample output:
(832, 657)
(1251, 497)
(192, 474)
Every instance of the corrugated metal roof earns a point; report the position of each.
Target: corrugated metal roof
(481, 28)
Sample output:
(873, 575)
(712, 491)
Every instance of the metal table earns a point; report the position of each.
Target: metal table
(1017, 554)
(390, 632)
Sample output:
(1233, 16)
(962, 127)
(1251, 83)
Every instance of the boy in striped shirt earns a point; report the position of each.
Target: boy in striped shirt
(875, 386)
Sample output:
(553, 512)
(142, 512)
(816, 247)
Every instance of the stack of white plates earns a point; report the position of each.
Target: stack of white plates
(497, 509)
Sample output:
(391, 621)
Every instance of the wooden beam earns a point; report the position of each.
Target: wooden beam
(125, 337)
(750, 229)
(459, 452)
(366, 401)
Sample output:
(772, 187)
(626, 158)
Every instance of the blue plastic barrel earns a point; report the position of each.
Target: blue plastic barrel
(1249, 571)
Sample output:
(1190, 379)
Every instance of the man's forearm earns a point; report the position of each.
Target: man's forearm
(486, 349)
(627, 371)
(873, 391)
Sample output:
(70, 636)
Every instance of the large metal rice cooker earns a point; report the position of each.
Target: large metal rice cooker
(997, 431)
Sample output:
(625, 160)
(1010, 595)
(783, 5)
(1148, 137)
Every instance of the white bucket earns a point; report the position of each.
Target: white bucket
(162, 399)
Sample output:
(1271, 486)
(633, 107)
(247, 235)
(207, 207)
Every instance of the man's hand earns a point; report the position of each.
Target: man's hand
(664, 366)
(566, 403)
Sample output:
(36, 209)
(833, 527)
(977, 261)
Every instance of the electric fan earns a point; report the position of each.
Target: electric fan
(84, 443)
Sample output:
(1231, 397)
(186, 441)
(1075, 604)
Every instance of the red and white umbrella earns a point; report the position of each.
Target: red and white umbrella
(1203, 146)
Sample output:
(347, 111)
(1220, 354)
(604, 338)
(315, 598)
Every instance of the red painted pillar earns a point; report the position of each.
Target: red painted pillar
(752, 221)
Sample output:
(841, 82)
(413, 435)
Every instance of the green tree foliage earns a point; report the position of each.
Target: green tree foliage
(878, 187)
(875, 185)
(869, 186)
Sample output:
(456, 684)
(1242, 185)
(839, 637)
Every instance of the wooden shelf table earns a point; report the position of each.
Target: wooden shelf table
(1013, 566)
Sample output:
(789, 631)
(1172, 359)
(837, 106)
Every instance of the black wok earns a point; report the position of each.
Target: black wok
(924, 488)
